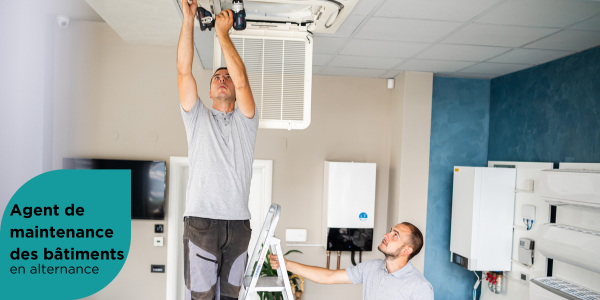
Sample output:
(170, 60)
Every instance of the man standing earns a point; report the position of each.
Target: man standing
(392, 278)
(221, 151)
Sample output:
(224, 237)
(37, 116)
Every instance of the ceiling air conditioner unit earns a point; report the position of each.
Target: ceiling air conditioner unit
(277, 49)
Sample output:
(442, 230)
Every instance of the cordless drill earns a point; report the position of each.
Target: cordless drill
(239, 15)
(205, 19)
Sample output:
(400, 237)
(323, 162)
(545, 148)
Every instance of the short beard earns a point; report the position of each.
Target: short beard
(390, 256)
(224, 100)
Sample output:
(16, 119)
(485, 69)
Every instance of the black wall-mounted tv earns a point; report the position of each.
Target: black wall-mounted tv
(148, 182)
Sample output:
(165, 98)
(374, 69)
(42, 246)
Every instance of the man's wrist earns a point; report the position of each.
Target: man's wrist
(223, 34)
(188, 20)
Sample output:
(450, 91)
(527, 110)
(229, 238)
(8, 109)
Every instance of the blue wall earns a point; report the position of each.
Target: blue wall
(459, 137)
(548, 113)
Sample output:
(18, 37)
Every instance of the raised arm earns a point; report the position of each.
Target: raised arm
(315, 274)
(235, 66)
(188, 92)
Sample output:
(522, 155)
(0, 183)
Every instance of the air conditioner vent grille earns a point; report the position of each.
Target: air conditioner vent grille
(277, 73)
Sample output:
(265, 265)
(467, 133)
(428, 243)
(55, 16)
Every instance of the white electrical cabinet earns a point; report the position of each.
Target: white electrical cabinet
(483, 202)
(349, 203)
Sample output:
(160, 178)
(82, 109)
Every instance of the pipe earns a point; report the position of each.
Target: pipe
(328, 255)
(338, 261)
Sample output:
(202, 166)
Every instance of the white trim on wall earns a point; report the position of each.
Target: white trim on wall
(175, 213)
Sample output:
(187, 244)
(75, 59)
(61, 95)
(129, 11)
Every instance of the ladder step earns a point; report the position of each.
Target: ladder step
(266, 284)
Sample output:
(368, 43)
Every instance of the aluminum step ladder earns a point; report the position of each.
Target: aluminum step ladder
(252, 282)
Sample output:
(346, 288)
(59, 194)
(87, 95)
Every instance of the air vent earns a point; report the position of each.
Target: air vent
(280, 72)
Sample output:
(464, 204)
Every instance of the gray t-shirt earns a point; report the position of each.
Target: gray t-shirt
(405, 284)
(221, 153)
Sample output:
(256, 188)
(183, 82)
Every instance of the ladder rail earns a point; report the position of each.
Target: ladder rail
(262, 237)
(265, 241)
(282, 271)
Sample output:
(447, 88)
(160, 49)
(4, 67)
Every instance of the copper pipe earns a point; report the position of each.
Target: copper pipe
(339, 257)
(328, 255)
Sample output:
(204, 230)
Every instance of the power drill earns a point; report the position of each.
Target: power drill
(239, 15)
(205, 19)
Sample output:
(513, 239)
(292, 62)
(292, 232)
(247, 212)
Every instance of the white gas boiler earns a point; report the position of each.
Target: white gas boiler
(483, 202)
(348, 206)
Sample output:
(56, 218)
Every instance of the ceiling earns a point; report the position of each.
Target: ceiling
(457, 38)
(383, 38)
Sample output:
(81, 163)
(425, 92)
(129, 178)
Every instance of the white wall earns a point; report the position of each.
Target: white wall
(23, 95)
(409, 154)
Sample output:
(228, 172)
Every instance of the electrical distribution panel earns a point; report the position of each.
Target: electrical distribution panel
(483, 202)
(348, 206)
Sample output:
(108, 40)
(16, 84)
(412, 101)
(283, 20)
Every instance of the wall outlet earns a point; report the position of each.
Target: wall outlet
(158, 241)
(524, 277)
(295, 235)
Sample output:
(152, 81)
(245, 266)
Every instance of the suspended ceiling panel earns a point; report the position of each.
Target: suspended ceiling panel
(147, 22)
(382, 38)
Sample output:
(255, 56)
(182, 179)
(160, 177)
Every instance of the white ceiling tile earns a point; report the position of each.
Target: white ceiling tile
(382, 48)
(590, 24)
(461, 52)
(571, 40)
(406, 30)
(497, 35)
(352, 72)
(467, 75)
(327, 45)
(391, 74)
(457, 10)
(204, 39)
(549, 13)
(347, 27)
(364, 7)
(364, 62)
(494, 68)
(207, 62)
(434, 65)
(320, 59)
(316, 69)
(530, 56)
(76, 10)
(147, 22)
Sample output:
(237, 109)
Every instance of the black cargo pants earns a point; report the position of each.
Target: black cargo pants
(215, 257)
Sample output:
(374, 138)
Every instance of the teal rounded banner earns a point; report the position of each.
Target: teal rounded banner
(65, 234)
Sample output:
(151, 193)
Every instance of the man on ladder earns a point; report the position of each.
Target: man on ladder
(221, 152)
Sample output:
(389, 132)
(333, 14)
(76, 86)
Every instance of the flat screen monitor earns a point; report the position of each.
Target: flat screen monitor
(147, 183)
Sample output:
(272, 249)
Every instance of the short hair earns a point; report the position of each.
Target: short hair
(415, 239)
(213, 75)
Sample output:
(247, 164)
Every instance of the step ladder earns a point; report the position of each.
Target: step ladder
(252, 282)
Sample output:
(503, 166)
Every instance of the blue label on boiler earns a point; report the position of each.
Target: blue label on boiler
(363, 216)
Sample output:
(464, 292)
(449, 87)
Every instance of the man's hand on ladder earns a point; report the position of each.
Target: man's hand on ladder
(275, 261)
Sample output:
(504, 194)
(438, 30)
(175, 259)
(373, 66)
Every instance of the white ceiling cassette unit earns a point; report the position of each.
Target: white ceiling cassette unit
(277, 49)
(323, 16)
(280, 73)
